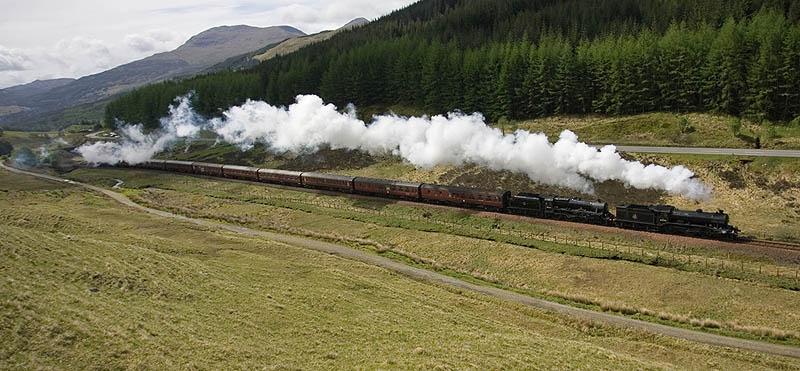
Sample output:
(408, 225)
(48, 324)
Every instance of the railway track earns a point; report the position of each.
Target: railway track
(780, 250)
(791, 246)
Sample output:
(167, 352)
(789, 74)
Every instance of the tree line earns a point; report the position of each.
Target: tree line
(523, 59)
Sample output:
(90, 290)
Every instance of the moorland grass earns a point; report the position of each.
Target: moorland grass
(89, 284)
(551, 269)
(668, 129)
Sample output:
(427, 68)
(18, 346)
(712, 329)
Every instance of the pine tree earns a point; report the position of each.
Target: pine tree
(565, 81)
(501, 99)
(765, 34)
(674, 60)
(472, 70)
(789, 72)
(452, 79)
(531, 93)
(432, 81)
(585, 89)
(725, 70)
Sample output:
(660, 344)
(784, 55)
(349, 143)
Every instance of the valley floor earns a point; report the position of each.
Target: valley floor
(165, 293)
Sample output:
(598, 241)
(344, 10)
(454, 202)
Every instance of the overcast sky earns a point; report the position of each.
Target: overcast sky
(43, 39)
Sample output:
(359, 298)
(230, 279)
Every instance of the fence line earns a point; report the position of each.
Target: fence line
(654, 250)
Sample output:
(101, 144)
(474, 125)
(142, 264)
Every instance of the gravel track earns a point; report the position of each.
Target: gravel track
(437, 278)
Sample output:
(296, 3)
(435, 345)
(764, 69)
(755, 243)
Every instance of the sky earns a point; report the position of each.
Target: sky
(44, 39)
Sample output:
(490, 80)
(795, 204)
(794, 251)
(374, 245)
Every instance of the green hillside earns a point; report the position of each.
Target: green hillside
(526, 59)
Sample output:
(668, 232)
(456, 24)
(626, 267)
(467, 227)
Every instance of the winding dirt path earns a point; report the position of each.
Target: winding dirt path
(437, 278)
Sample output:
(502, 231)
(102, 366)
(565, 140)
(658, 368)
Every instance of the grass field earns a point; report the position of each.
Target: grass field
(29, 139)
(52, 141)
(87, 284)
(668, 129)
(496, 251)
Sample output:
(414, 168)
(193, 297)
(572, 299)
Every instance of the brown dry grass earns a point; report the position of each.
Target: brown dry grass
(161, 294)
(664, 129)
(649, 290)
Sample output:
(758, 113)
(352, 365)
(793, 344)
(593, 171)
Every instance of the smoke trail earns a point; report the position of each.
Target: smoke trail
(137, 147)
(452, 139)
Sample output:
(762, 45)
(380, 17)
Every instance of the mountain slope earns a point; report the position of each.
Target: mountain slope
(519, 59)
(16, 95)
(292, 45)
(197, 54)
(220, 43)
(16, 99)
(253, 58)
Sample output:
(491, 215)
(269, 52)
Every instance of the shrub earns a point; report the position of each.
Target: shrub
(24, 157)
(685, 126)
(772, 132)
(5, 148)
(736, 126)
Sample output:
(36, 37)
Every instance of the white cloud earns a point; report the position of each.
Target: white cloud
(93, 36)
(12, 60)
(153, 41)
(79, 56)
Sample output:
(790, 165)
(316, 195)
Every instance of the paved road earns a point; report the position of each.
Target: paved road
(711, 151)
(674, 150)
(639, 149)
(437, 278)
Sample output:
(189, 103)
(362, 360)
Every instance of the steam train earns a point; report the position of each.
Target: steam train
(653, 218)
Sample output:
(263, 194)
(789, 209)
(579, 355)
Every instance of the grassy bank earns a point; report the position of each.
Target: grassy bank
(507, 252)
(669, 129)
(88, 284)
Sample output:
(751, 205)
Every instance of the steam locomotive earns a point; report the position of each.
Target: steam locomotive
(653, 218)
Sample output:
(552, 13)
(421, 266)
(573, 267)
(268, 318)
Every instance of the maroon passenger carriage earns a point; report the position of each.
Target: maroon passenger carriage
(292, 178)
(387, 188)
(330, 182)
(240, 172)
(207, 169)
(465, 197)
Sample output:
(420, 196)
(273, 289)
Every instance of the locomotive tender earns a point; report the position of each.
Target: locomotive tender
(560, 208)
(654, 218)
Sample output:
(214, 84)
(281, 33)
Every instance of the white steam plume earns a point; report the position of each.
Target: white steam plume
(137, 147)
(425, 142)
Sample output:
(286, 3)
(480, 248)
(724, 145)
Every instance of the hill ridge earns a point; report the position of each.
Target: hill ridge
(196, 54)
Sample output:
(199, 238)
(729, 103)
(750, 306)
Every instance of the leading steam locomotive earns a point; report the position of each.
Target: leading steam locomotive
(653, 218)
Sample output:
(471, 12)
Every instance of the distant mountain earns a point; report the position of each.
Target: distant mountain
(358, 22)
(43, 100)
(284, 47)
(219, 43)
(16, 95)
(292, 45)
(242, 61)
(16, 99)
